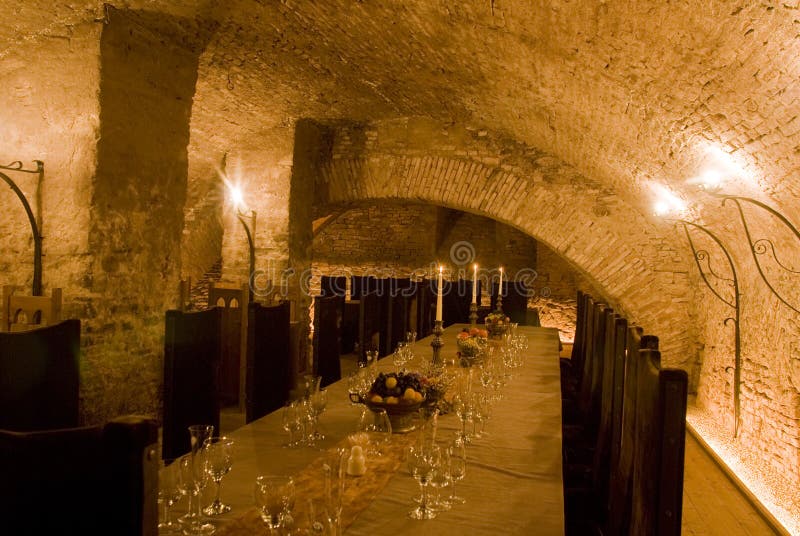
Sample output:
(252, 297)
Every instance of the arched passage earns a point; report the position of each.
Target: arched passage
(606, 240)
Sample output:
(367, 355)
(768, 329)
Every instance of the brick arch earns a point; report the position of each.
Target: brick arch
(613, 247)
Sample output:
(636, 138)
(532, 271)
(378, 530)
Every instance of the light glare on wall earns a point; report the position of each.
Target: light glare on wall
(666, 202)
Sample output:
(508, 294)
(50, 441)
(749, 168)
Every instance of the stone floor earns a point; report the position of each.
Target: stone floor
(712, 504)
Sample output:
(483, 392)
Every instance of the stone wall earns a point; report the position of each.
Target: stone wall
(49, 111)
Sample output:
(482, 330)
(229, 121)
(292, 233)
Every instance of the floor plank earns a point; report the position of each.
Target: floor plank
(712, 504)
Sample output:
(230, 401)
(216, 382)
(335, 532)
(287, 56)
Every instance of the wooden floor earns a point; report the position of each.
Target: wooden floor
(712, 504)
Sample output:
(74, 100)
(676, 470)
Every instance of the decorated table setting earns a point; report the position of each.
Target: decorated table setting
(476, 419)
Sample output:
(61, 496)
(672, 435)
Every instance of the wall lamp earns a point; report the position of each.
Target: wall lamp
(37, 237)
(249, 229)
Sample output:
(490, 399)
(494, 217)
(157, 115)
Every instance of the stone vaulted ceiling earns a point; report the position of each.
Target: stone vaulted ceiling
(624, 91)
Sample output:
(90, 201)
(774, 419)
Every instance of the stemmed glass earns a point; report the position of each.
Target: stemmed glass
(317, 402)
(219, 458)
(463, 407)
(334, 488)
(376, 424)
(458, 469)
(411, 337)
(421, 460)
(194, 471)
(401, 356)
(440, 479)
(372, 360)
(170, 490)
(291, 423)
(274, 497)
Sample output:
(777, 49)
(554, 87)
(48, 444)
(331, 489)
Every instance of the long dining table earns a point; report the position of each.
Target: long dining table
(513, 482)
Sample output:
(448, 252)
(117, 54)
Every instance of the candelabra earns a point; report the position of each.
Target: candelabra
(473, 314)
(437, 343)
(702, 256)
(37, 237)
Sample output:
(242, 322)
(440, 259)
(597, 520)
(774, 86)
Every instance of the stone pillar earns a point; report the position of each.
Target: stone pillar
(148, 66)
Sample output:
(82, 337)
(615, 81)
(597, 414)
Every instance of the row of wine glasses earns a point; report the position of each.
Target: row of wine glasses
(210, 459)
(438, 466)
(300, 419)
(275, 497)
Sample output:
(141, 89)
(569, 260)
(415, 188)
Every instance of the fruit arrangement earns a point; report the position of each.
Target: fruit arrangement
(396, 388)
(471, 341)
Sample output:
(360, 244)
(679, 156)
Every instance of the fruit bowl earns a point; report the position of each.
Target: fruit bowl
(401, 394)
(402, 417)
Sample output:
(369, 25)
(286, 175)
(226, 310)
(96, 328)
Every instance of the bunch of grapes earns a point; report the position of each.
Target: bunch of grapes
(402, 381)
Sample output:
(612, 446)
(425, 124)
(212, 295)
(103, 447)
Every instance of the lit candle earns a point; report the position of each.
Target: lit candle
(474, 283)
(500, 292)
(439, 297)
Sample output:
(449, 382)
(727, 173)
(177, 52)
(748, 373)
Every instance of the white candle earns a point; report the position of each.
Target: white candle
(500, 292)
(474, 283)
(439, 297)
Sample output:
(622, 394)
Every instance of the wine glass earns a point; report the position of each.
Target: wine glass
(401, 356)
(463, 408)
(194, 471)
(422, 459)
(458, 469)
(376, 424)
(170, 490)
(318, 516)
(219, 457)
(198, 433)
(274, 497)
(289, 422)
(318, 401)
(372, 360)
(334, 474)
(440, 480)
(411, 337)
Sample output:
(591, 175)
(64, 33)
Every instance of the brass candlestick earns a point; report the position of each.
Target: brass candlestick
(473, 314)
(437, 344)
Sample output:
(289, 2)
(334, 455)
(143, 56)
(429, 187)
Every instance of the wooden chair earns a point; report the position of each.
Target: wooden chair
(571, 366)
(327, 329)
(88, 480)
(515, 300)
(39, 377)
(268, 359)
(21, 312)
(657, 482)
(619, 509)
(192, 346)
(333, 285)
(232, 374)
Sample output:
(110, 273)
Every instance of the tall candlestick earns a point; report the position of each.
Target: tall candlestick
(474, 283)
(439, 297)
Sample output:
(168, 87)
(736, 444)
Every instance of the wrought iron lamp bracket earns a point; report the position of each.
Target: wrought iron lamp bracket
(700, 256)
(764, 246)
(17, 167)
(250, 246)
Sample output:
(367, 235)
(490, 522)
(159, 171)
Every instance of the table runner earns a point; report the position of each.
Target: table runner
(310, 484)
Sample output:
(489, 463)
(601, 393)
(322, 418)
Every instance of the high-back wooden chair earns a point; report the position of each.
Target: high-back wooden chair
(268, 359)
(22, 312)
(39, 377)
(619, 510)
(192, 346)
(234, 305)
(89, 480)
(327, 329)
(659, 449)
